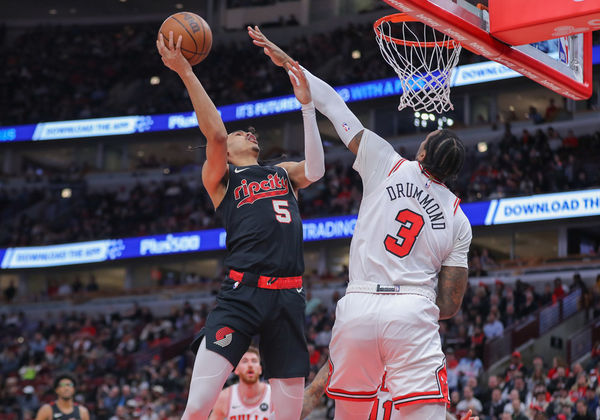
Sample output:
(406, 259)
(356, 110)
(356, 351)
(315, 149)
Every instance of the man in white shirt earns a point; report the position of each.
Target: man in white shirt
(469, 402)
(493, 328)
(249, 398)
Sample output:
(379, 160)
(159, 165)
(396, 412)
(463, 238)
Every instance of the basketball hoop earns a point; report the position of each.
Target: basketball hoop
(423, 63)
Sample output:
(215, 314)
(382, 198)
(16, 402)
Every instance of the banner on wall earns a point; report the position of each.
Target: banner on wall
(468, 74)
(495, 212)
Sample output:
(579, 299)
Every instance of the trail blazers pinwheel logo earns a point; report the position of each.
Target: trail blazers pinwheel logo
(224, 337)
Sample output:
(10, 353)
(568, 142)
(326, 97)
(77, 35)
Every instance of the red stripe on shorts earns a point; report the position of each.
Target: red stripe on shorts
(340, 394)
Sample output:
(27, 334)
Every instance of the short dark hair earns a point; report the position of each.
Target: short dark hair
(445, 154)
(62, 376)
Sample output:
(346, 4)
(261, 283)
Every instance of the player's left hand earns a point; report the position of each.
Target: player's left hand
(299, 82)
(171, 54)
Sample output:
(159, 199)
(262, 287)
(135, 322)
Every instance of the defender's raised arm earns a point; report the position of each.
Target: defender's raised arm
(326, 99)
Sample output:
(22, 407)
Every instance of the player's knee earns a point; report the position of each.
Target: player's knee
(287, 395)
(290, 387)
(196, 410)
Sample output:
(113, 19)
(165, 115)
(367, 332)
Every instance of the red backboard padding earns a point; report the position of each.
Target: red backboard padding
(463, 26)
(519, 22)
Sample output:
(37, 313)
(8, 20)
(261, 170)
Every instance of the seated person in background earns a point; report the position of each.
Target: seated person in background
(493, 328)
(570, 141)
(535, 116)
(469, 402)
(551, 111)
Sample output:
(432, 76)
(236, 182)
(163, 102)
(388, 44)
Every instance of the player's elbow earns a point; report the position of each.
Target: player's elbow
(314, 176)
(448, 312)
(449, 306)
(313, 171)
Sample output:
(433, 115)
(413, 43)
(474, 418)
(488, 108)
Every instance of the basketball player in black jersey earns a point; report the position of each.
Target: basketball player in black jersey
(63, 408)
(262, 293)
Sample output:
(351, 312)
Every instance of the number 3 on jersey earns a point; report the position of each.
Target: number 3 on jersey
(282, 214)
(412, 223)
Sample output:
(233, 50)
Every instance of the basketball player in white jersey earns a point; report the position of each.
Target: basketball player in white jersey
(249, 399)
(382, 408)
(408, 266)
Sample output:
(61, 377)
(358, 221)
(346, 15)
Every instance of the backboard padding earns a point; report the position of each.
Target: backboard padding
(469, 25)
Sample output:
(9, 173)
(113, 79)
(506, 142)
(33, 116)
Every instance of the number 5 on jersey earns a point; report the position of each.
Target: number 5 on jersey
(282, 214)
(412, 223)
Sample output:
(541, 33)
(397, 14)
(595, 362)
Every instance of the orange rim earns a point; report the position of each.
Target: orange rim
(403, 17)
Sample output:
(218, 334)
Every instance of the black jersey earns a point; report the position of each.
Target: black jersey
(59, 415)
(261, 216)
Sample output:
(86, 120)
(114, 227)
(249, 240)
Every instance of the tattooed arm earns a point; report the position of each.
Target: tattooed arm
(314, 392)
(452, 284)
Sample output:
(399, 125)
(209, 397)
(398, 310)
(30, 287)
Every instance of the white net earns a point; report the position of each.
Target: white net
(422, 61)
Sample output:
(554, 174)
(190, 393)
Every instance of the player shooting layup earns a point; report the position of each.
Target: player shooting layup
(408, 266)
(263, 291)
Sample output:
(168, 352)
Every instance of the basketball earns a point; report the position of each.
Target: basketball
(197, 36)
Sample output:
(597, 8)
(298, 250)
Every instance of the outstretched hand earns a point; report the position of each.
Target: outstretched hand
(171, 54)
(299, 82)
(276, 54)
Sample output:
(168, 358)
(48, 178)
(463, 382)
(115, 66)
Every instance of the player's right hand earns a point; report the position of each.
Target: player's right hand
(277, 55)
(299, 82)
(171, 54)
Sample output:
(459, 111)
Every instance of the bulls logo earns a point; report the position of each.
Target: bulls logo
(224, 337)
(443, 379)
(249, 192)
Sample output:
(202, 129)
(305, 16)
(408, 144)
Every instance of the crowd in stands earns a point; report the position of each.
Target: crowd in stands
(528, 163)
(116, 358)
(110, 69)
(533, 391)
(125, 369)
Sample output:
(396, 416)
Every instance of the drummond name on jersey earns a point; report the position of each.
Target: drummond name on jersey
(410, 190)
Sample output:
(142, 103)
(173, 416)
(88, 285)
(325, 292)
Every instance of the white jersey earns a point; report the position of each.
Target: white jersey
(408, 225)
(239, 411)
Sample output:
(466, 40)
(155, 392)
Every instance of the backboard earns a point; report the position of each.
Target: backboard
(563, 65)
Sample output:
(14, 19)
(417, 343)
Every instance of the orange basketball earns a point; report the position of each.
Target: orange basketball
(197, 37)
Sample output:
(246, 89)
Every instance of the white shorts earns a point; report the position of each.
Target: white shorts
(397, 333)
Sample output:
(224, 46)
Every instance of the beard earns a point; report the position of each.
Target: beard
(249, 380)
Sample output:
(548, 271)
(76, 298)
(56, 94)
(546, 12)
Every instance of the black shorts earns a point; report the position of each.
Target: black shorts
(276, 315)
